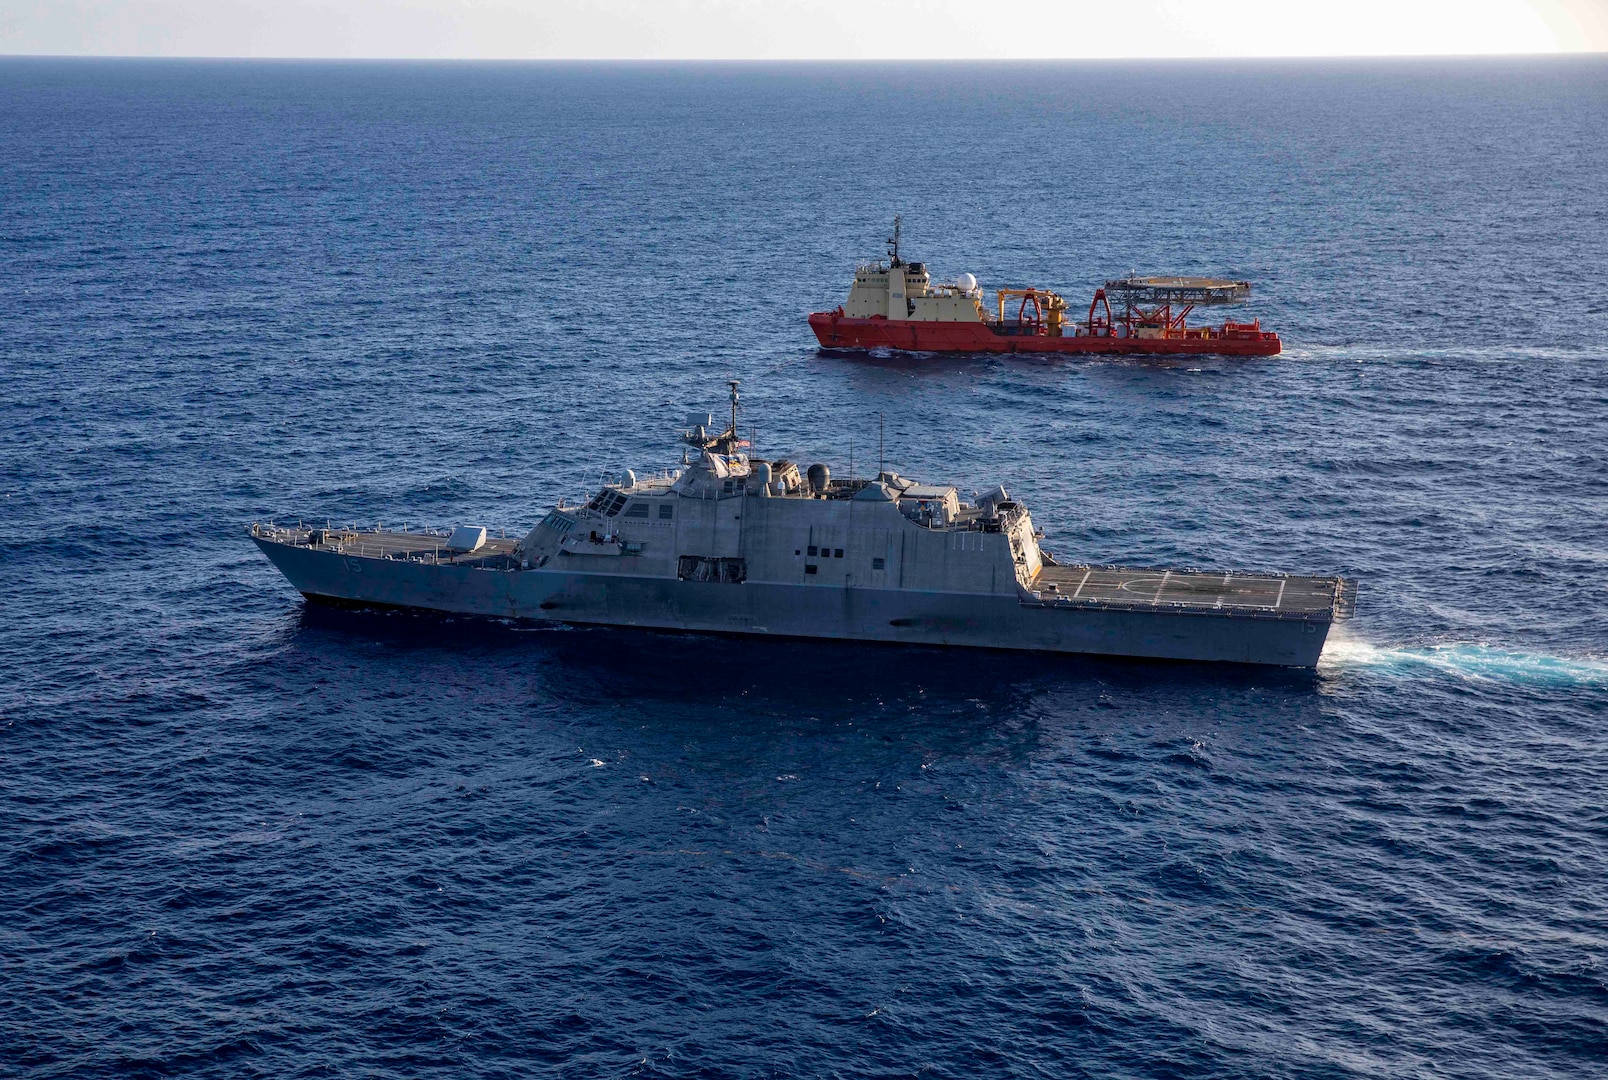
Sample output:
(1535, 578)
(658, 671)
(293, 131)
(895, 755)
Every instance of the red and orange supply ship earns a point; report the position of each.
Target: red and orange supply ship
(895, 305)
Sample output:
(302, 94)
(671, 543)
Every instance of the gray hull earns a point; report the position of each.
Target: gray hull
(857, 613)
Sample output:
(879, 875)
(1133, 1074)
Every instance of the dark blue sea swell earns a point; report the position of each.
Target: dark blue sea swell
(244, 838)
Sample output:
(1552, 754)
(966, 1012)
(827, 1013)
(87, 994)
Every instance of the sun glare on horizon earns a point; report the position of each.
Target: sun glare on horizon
(800, 29)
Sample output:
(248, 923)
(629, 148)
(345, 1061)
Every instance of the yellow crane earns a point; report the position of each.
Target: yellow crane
(1049, 310)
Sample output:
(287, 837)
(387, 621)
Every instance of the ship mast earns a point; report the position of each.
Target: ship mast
(893, 241)
(727, 442)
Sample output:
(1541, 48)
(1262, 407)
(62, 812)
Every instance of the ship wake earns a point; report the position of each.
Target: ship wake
(1477, 663)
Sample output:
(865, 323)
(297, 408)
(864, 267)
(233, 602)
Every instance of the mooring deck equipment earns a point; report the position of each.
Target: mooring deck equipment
(405, 545)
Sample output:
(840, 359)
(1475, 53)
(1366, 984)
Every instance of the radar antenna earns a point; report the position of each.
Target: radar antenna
(727, 442)
(893, 241)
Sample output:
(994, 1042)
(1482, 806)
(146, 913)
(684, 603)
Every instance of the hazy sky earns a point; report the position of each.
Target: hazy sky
(799, 29)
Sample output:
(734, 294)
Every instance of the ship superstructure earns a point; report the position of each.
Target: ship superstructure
(895, 304)
(735, 544)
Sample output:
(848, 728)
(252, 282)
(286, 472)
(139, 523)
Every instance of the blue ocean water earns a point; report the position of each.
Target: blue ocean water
(244, 838)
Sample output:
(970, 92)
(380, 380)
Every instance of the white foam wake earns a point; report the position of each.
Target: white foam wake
(1474, 662)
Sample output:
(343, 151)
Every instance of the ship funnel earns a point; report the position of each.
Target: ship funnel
(819, 476)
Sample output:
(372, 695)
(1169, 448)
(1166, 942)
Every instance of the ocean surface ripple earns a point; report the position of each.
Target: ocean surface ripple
(245, 838)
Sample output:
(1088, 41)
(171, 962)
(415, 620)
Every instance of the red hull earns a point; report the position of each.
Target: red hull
(838, 332)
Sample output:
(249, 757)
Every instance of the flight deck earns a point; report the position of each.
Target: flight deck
(1261, 595)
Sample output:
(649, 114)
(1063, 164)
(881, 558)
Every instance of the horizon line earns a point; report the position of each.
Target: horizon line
(855, 60)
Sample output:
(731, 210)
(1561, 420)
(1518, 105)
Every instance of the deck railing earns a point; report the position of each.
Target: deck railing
(350, 540)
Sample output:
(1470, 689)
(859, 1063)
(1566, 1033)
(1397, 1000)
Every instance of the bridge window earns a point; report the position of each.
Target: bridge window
(608, 501)
(666, 511)
(636, 510)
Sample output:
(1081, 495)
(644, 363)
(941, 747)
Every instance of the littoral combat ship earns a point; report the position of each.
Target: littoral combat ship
(896, 305)
(734, 544)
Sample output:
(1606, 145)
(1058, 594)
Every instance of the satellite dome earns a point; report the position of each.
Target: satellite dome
(966, 282)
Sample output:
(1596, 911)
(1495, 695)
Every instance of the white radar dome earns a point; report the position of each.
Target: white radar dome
(966, 282)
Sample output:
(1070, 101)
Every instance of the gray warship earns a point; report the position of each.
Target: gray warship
(733, 544)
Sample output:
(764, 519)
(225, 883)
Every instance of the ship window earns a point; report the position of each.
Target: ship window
(813, 550)
(838, 554)
(809, 568)
(666, 511)
(878, 564)
(607, 501)
(636, 510)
